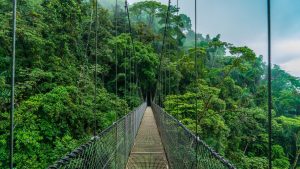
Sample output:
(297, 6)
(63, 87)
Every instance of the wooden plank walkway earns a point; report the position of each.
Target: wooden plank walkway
(148, 151)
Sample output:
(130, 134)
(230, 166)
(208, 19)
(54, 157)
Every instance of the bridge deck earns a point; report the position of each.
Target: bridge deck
(148, 151)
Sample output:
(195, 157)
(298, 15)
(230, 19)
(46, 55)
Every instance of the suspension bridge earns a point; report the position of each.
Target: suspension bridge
(146, 138)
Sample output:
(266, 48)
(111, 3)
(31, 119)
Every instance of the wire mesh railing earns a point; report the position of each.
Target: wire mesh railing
(181, 145)
(110, 149)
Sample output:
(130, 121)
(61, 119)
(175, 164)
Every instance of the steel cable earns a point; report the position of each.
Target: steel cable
(116, 76)
(13, 72)
(269, 86)
(95, 66)
(159, 78)
(196, 79)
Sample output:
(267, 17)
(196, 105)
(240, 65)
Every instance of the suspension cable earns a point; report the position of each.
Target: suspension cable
(169, 72)
(85, 67)
(177, 87)
(136, 78)
(116, 84)
(196, 79)
(129, 27)
(13, 72)
(125, 69)
(165, 83)
(116, 48)
(159, 78)
(95, 67)
(167, 69)
(169, 90)
(133, 46)
(269, 85)
(125, 94)
(160, 88)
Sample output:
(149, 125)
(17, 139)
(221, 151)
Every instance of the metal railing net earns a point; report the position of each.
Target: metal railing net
(110, 149)
(181, 145)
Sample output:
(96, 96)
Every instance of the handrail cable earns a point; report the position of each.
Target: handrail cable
(210, 159)
(99, 152)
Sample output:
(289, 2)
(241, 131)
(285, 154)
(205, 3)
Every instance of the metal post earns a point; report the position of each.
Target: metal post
(13, 70)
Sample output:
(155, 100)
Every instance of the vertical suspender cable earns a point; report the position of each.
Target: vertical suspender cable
(130, 31)
(169, 67)
(85, 67)
(162, 51)
(132, 43)
(125, 96)
(196, 78)
(130, 78)
(95, 67)
(136, 78)
(160, 88)
(269, 86)
(169, 89)
(116, 48)
(116, 87)
(165, 84)
(13, 70)
(125, 69)
(129, 27)
(177, 86)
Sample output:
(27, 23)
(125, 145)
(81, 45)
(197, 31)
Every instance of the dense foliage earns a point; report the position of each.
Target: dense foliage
(56, 99)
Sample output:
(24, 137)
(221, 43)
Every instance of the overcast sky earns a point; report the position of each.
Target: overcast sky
(244, 22)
